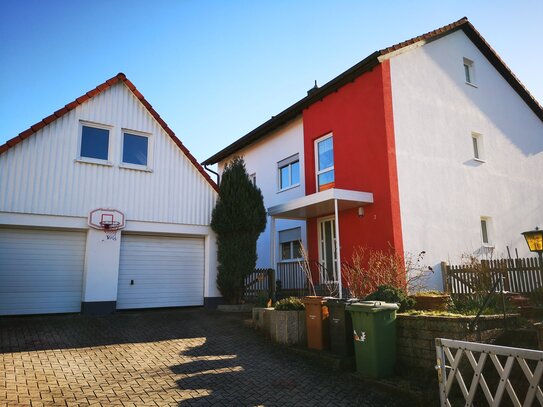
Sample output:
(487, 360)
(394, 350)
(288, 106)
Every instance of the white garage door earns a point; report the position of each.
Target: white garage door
(158, 271)
(41, 271)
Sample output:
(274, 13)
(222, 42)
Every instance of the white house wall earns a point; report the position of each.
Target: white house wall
(42, 185)
(443, 191)
(40, 175)
(261, 158)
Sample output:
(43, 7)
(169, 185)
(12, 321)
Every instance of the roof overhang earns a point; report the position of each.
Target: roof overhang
(320, 204)
(366, 65)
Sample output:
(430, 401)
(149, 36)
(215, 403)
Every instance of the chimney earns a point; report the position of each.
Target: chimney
(313, 89)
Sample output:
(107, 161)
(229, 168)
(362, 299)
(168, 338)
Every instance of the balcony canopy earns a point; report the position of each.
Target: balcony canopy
(320, 204)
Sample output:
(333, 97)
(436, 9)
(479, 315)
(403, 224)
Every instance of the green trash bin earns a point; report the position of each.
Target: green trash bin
(374, 332)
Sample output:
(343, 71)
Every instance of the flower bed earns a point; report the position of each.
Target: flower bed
(416, 334)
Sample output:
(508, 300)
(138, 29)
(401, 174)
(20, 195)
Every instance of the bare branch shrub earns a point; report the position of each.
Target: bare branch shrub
(370, 269)
(306, 269)
(417, 272)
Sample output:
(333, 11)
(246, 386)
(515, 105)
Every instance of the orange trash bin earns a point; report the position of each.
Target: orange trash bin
(316, 319)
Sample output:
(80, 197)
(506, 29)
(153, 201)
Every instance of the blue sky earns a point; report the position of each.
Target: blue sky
(214, 70)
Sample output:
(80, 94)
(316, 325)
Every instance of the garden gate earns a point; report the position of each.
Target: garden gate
(466, 363)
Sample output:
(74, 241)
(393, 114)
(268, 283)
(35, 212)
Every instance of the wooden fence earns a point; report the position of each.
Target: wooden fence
(523, 276)
(258, 282)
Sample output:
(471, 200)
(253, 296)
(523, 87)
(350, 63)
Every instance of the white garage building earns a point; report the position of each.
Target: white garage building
(107, 149)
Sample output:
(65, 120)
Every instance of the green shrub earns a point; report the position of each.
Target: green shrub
(290, 304)
(470, 305)
(238, 219)
(388, 293)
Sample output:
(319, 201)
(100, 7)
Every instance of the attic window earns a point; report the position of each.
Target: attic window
(94, 142)
(469, 72)
(135, 149)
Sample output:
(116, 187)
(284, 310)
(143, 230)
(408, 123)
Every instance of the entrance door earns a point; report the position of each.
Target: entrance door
(327, 249)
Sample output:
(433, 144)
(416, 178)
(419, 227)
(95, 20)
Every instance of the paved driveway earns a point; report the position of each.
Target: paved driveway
(173, 357)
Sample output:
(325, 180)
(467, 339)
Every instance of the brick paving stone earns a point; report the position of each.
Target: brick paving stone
(182, 357)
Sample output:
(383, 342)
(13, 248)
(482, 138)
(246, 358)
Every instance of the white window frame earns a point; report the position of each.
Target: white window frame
(488, 226)
(132, 166)
(321, 253)
(291, 245)
(316, 151)
(471, 71)
(252, 178)
(90, 160)
(477, 138)
(288, 162)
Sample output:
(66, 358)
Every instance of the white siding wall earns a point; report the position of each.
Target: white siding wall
(40, 175)
(443, 191)
(262, 158)
(42, 185)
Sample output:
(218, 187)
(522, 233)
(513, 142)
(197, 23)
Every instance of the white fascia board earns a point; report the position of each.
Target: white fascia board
(408, 48)
(42, 221)
(320, 203)
(166, 228)
(14, 219)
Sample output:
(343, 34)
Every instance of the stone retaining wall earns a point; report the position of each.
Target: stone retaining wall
(416, 335)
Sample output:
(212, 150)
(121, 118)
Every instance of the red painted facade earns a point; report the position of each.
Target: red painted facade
(359, 115)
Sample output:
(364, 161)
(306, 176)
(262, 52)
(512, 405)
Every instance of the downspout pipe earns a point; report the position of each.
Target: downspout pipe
(213, 172)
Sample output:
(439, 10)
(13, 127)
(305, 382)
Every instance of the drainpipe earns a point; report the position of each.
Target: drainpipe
(213, 172)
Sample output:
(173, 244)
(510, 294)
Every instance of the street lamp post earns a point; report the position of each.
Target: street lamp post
(534, 239)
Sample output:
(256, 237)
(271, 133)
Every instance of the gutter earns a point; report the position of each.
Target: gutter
(213, 172)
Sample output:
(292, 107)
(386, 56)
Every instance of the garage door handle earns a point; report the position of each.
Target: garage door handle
(131, 282)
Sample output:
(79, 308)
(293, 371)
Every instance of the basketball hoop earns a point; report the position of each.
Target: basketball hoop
(110, 228)
(108, 220)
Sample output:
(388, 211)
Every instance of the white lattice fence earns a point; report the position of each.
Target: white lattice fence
(458, 360)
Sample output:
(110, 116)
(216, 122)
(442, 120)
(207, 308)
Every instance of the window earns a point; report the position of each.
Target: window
(291, 245)
(468, 71)
(289, 172)
(94, 142)
(324, 151)
(485, 231)
(477, 141)
(252, 178)
(135, 149)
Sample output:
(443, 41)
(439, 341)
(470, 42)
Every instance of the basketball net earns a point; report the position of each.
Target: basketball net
(110, 228)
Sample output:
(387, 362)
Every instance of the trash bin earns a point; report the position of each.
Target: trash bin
(341, 327)
(316, 320)
(374, 331)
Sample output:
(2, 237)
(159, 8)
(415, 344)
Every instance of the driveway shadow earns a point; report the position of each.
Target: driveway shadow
(36, 333)
(236, 367)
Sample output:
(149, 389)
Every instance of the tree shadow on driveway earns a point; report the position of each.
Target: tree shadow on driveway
(235, 366)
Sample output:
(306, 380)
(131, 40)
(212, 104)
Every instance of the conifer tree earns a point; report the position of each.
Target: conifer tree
(238, 219)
